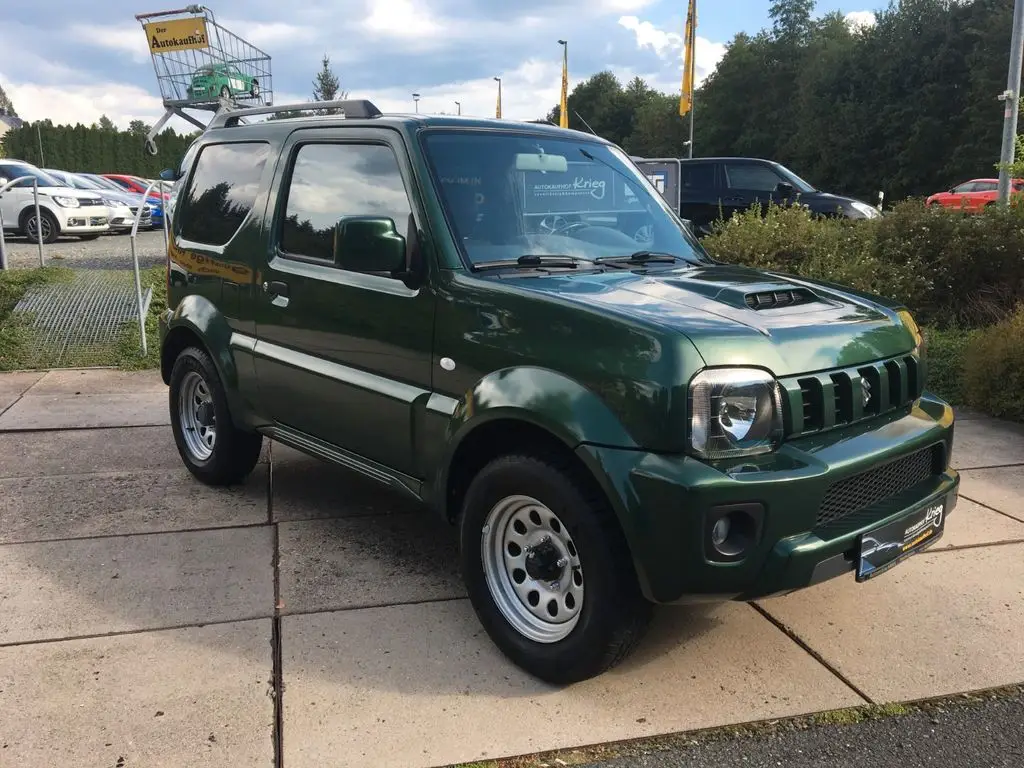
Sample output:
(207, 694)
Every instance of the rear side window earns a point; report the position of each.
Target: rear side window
(986, 186)
(698, 176)
(756, 178)
(221, 192)
(332, 181)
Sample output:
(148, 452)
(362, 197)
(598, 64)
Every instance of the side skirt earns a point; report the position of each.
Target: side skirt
(300, 441)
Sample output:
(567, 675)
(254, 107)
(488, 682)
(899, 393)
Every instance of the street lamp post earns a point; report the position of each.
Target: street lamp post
(458, 107)
(1011, 96)
(563, 103)
(416, 101)
(497, 112)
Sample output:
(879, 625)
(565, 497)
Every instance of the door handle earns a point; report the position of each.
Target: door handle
(279, 291)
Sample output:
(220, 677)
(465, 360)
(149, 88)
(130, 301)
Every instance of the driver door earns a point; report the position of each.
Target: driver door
(749, 183)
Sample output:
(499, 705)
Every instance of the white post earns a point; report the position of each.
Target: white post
(39, 221)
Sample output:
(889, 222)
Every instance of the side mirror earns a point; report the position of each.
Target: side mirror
(369, 244)
(783, 188)
(169, 174)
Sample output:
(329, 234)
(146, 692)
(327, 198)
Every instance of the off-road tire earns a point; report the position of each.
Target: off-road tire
(614, 614)
(235, 452)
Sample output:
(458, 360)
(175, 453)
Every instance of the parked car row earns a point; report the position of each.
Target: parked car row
(83, 205)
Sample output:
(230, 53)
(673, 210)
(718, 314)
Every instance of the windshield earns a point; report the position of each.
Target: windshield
(73, 180)
(798, 184)
(14, 170)
(502, 202)
(105, 182)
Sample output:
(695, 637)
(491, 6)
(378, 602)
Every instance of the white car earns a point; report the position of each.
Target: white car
(123, 206)
(63, 210)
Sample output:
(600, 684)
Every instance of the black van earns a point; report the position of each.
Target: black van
(708, 188)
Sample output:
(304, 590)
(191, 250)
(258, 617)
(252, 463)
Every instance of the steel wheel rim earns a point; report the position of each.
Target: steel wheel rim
(197, 415)
(522, 543)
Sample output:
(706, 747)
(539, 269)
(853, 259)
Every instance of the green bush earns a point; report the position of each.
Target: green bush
(993, 377)
(945, 353)
(951, 269)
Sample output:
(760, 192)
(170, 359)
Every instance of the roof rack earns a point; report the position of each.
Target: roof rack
(350, 108)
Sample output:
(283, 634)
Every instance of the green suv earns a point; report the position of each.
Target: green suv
(461, 310)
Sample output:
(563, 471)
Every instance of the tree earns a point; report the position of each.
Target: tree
(138, 128)
(6, 106)
(791, 20)
(106, 124)
(326, 86)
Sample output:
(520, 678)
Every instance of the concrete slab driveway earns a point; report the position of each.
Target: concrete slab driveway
(310, 619)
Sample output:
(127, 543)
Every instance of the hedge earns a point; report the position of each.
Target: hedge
(962, 275)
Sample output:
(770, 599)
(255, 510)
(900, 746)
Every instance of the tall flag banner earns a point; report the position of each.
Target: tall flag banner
(563, 112)
(686, 99)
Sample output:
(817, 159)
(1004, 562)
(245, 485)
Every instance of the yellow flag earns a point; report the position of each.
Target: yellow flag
(497, 109)
(686, 99)
(563, 112)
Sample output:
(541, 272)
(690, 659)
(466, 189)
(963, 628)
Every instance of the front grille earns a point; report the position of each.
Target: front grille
(89, 203)
(836, 398)
(876, 485)
(776, 299)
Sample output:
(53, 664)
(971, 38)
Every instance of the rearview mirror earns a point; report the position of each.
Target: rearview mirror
(369, 244)
(169, 174)
(783, 188)
(542, 162)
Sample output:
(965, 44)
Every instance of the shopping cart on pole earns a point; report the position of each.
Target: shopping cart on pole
(200, 65)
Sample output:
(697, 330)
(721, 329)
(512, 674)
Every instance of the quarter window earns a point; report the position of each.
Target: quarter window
(330, 182)
(756, 178)
(222, 191)
(698, 176)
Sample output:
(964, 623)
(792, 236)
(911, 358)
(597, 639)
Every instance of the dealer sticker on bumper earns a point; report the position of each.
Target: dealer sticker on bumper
(889, 545)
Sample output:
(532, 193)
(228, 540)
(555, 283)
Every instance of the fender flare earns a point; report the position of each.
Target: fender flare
(562, 407)
(199, 316)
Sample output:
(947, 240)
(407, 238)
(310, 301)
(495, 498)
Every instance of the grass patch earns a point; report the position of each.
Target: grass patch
(16, 348)
(128, 355)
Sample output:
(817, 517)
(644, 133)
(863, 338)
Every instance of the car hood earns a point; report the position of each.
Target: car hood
(80, 194)
(827, 327)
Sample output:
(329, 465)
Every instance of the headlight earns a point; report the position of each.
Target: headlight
(66, 202)
(734, 412)
(908, 320)
(112, 203)
(865, 210)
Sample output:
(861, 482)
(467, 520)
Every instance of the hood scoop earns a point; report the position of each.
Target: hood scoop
(789, 297)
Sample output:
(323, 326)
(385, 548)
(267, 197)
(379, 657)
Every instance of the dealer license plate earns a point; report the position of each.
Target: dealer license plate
(889, 545)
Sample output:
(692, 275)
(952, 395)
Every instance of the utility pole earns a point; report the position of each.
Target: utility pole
(416, 101)
(1011, 98)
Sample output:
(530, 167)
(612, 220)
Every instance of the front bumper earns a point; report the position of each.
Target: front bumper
(87, 220)
(667, 504)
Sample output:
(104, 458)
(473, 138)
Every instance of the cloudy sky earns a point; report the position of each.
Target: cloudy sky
(56, 64)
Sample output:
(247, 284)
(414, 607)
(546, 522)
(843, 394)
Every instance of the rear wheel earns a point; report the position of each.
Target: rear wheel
(548, 571)
(225, 92)
(212, 447)
(254, 91)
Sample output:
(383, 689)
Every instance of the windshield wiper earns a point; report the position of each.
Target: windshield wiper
(531, 260)
(640, 257)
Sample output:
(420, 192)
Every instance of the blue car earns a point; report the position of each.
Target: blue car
(154, 201)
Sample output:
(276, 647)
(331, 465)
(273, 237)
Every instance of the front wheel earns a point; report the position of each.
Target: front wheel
(254, 91)
(212, 447)
(50, 225)
(548, 571)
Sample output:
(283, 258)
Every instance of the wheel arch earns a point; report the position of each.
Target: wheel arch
(531, 410)
(197, 322)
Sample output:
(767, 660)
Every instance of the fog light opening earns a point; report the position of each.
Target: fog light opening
(733, 531)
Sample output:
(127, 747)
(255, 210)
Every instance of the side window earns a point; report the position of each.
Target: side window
(964, 188)
(756, 178)
(330, 182)
(221, 192)
(698, 176)
(986, 186)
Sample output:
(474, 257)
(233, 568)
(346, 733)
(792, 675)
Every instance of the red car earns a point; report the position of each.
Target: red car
(973, 195)
(133, 184)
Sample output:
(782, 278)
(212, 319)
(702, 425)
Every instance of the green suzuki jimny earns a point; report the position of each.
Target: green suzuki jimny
(465, 311)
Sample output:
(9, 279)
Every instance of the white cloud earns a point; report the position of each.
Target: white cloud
(267, 35)
(669, 47)
(122, 38)
(401, 19)
(860, 19)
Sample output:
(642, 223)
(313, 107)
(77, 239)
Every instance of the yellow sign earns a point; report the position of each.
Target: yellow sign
(177, 35)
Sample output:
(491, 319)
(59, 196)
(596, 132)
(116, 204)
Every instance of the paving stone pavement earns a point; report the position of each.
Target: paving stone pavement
(309, 618)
